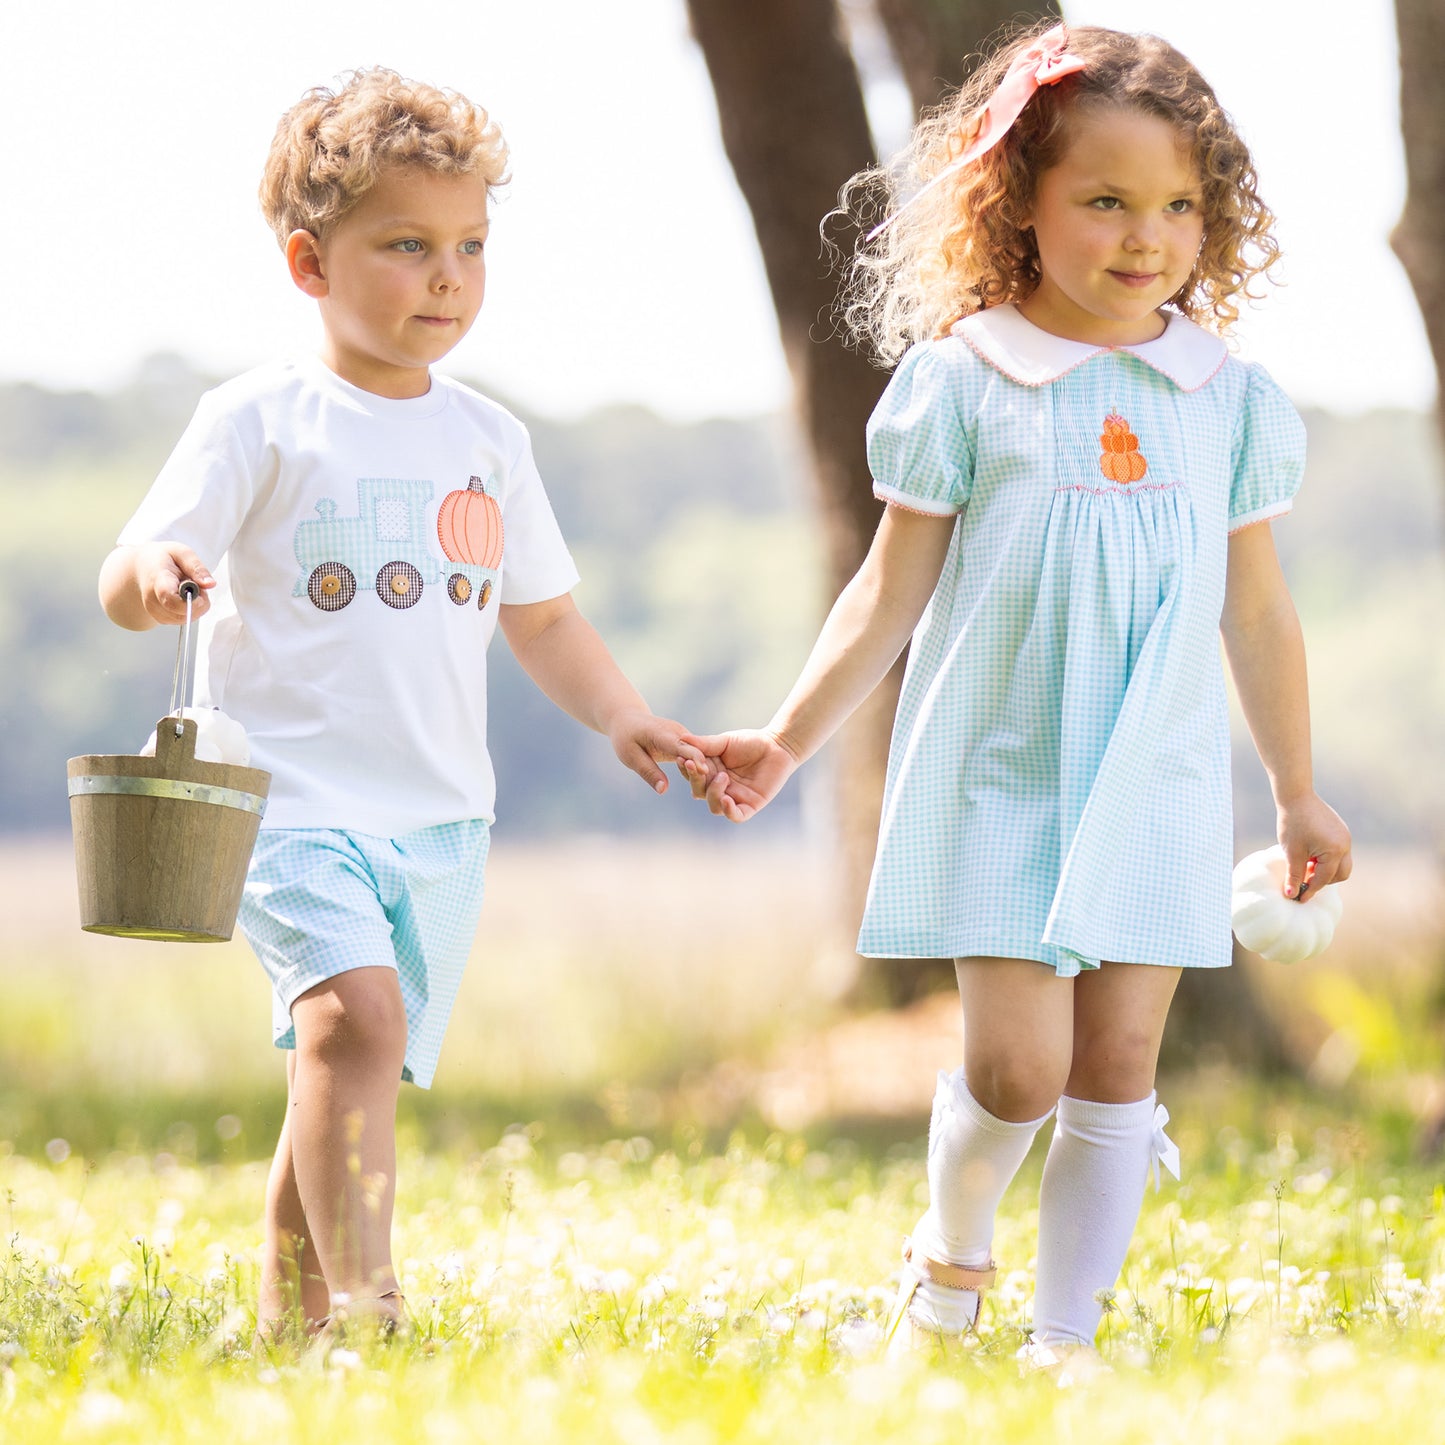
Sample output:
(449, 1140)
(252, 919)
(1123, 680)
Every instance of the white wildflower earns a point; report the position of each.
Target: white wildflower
(655, 1289)
(857, 1338)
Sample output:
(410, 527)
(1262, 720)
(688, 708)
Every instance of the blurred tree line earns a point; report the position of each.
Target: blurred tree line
(702, 565)
(693, 544)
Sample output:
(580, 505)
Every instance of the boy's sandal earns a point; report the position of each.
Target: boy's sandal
(369, 1314)
(940, 1272)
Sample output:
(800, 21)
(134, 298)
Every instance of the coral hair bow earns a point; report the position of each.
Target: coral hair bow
(1046, 62)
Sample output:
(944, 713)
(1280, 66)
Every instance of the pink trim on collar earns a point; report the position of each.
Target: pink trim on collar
(1187, 354)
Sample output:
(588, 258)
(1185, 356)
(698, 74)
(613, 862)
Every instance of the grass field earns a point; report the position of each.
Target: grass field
(650, 1199)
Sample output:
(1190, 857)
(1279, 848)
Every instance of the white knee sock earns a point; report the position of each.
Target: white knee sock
(1093, 1186)
(971, 1158)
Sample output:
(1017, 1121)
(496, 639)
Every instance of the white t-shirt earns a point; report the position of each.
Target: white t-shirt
(353, 538)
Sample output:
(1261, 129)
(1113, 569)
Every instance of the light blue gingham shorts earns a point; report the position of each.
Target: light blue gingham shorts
(319, 902)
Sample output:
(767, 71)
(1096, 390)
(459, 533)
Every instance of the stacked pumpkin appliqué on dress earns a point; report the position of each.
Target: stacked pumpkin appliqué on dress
(1059, 786)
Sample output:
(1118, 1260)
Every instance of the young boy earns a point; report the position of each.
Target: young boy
(370, 525)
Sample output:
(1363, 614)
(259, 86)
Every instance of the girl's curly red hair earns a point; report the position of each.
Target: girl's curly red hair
(962, 247)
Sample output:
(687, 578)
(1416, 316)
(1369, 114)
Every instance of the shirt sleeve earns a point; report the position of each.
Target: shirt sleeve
(1269, 454)
(920, 448)
(536, 564)
(205, 489)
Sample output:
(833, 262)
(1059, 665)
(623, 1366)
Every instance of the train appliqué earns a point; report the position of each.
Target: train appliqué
(386, 546)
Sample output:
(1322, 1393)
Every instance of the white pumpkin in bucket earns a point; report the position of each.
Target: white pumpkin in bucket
(219, 739)
(162, 839)
(1285, 930)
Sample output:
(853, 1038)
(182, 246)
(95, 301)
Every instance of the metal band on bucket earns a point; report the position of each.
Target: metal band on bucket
(168, 788)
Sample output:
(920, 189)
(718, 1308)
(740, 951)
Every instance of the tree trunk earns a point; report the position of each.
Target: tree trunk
(1419, 237)
(794, 128)
(933, 39)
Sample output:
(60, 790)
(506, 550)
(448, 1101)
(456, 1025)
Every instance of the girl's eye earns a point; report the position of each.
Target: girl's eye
(1180, 207)
(1107, 203)
(409, 247)
(472, 248)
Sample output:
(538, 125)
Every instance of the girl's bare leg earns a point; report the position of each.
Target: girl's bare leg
(350, 1048)
(291, 1284)
(1018, 1034)
(1119, 1015)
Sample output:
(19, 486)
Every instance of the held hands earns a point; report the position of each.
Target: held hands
(741, 773)
(642, 741)
(1316, 845)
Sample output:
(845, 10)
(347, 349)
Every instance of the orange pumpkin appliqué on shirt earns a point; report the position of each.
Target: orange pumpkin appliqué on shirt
(1122, 460)
(469, 526)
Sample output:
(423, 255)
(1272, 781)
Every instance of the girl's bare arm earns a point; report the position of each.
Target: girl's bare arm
(1265, 648)
(868, 626)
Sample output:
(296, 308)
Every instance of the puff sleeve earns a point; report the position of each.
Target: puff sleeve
(1269, 454)
(920, 447)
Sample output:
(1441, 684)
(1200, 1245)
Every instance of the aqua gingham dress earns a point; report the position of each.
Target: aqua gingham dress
(1058, 785)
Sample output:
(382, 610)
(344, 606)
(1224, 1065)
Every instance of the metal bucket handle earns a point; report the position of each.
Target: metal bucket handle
(183, 680)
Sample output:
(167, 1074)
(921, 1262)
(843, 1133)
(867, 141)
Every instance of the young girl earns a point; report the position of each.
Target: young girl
(1079, 482)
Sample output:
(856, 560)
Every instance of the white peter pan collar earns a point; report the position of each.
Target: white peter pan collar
(1187, 354)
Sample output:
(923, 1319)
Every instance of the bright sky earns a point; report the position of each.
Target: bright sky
(622, 261)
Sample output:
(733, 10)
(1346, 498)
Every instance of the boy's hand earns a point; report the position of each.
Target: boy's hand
(642, 741)
(742, 773)
(1310, 831)
(160, 568)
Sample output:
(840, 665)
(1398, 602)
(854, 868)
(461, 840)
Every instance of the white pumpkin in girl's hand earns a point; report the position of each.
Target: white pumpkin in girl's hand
(1286, 930)
(219, 739)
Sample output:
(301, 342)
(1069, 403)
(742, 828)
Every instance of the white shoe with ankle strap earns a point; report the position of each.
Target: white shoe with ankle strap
(912, 1326)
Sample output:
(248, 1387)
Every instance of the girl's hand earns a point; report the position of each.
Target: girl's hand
(642, 741)
(1310, 831)
(741, 774)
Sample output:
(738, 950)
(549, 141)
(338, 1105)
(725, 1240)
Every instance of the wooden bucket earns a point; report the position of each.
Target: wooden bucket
(162, 844)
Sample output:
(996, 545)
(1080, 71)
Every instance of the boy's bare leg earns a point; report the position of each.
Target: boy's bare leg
(291, 1284)
(350, 1048)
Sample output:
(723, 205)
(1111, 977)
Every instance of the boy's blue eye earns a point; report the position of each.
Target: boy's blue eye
(410, 247)
(472, 248)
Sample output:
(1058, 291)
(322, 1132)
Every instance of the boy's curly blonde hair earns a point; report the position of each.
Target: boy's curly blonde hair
(330, 146)
(963, 247)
